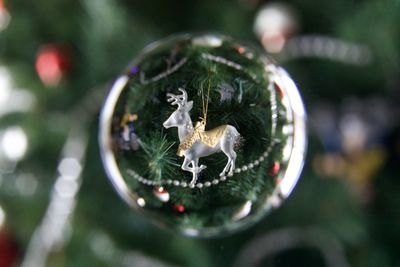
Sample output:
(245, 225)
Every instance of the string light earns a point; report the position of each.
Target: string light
(55, 229)
(14, 143)
(51, 64)
(5, 85)
(274, 24)
(12, 99)
(2, 217)
(5, 16)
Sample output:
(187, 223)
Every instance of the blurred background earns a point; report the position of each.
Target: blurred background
(57, 61)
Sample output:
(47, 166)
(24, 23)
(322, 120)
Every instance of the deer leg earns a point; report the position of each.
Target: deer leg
(201, 167)
(227, 148)
(185, 165)
(228, 164)
(194, 171)
(233, 160)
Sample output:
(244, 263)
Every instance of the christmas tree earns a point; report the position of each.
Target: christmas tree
(58, 60)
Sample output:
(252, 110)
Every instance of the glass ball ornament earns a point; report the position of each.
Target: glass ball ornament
(203, 134)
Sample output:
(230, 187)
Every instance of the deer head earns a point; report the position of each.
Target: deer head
(180, 117)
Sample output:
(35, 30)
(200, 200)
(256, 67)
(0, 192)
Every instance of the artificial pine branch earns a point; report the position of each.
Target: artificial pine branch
(248, 110)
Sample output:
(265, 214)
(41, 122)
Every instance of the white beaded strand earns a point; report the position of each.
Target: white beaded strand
(243, 168)
(200, 185)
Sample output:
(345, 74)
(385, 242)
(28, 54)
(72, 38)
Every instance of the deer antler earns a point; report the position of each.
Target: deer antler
(184, 94)
(179, 100)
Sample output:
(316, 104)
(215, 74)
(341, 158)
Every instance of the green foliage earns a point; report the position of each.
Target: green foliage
(157, 153)
(248, 110)
(103, 35)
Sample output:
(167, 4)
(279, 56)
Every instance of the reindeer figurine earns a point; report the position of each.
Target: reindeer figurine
(195, 142)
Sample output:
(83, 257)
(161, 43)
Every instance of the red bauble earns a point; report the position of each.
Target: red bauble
(8, 250)
(179, 208)
(52, 63)
(274, 169)
(161, 193)
(240, 49)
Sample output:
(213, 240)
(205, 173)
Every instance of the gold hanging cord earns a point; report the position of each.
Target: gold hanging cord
(205, 101)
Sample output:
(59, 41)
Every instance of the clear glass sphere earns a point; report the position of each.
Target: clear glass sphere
(203, 134)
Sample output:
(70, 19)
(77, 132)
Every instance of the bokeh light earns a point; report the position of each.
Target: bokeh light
(2, 217)
(14, 143)
(5, 16)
